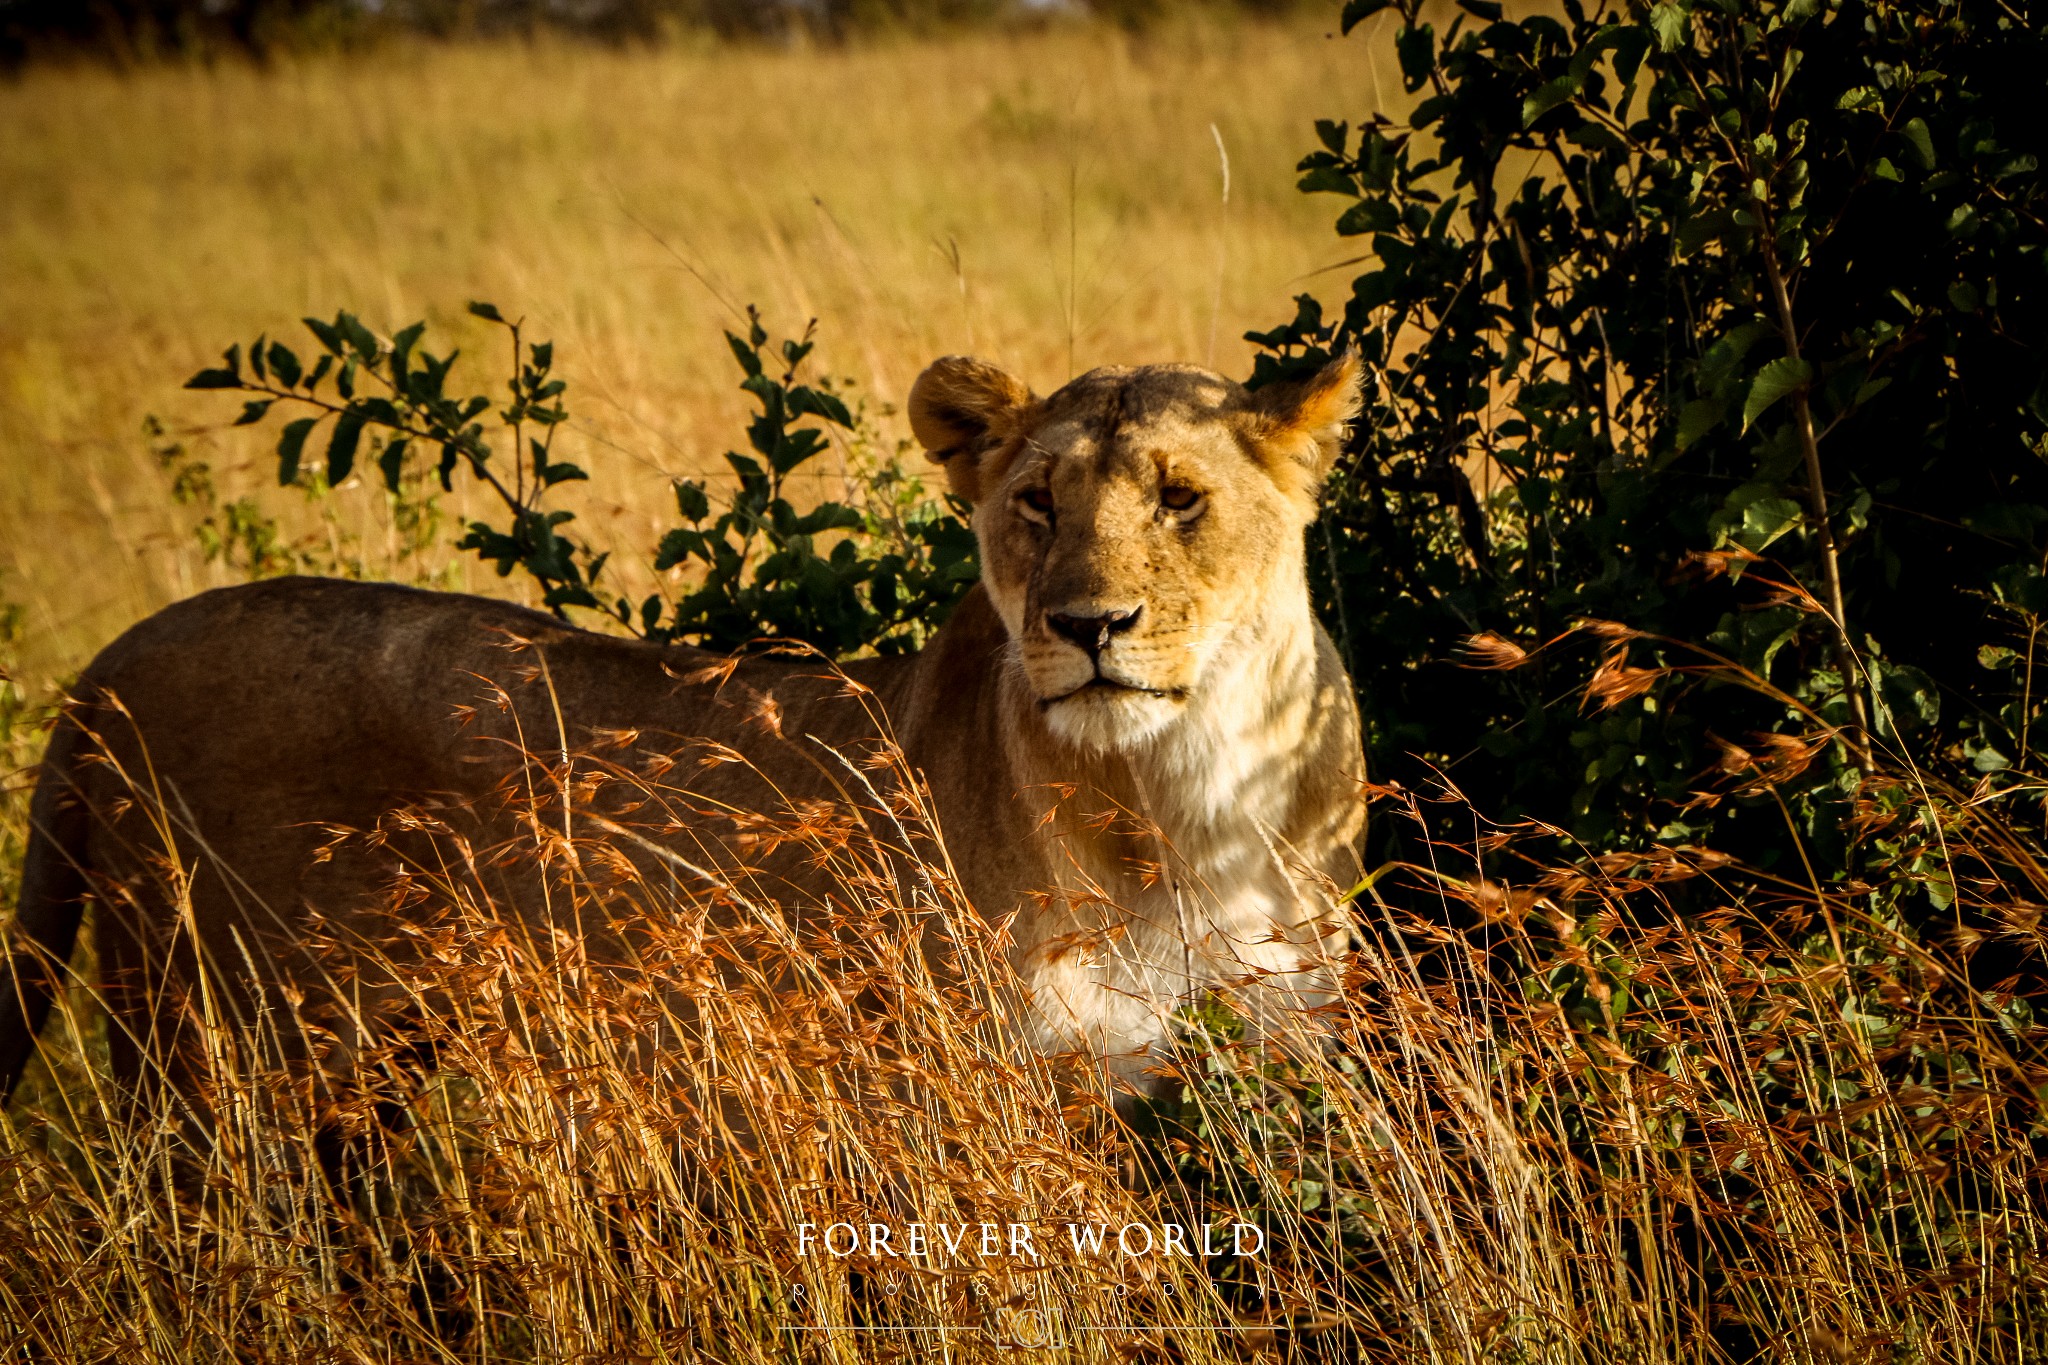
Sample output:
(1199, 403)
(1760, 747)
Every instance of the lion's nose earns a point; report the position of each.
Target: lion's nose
(1093, 633)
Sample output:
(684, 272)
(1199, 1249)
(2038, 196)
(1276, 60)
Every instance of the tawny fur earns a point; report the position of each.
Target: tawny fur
(255, 722)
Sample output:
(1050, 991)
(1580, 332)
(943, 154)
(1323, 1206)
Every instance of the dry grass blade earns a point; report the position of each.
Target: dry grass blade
(1562, 1119)
(1490, 650)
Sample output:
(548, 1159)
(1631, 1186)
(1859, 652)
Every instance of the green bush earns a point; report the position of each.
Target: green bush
(845, 579)
(1726, 321)
(901, 564)
(1695, 531)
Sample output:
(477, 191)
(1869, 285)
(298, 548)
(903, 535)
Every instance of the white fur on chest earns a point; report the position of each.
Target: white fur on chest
(1217, 892)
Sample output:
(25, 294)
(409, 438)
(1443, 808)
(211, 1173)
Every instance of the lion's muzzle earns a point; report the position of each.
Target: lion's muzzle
(1093, 632)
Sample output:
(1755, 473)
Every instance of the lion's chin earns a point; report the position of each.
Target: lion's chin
(1107, 718)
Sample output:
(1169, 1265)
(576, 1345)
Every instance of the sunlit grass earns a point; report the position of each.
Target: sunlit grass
(1051, 200)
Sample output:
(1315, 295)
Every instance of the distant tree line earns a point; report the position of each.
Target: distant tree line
(145, 30)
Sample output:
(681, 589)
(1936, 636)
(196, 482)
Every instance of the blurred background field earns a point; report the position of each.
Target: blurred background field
(1051, 198)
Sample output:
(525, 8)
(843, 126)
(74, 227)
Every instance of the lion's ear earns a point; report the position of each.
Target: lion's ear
(1299, 426)
(962, 409)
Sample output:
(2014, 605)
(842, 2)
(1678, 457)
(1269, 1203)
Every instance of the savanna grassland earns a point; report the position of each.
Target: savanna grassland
(1051, 200)
(1709, 1031)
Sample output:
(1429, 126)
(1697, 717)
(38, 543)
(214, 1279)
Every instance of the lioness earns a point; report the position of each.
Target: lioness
(1141, 636)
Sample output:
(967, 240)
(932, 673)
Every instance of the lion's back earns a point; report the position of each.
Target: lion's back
(269, 733)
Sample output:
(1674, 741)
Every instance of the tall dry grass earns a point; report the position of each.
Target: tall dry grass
(1554, 1120)
(1050, 200)
(562, 1145)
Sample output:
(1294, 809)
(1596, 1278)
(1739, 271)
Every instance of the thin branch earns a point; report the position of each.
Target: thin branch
(1853, 677)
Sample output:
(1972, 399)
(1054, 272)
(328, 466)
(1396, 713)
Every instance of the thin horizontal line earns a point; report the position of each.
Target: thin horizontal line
(1154, 1328)
(882, 1329)
(1159, 1329)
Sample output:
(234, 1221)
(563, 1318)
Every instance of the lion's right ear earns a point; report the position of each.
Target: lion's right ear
(962, 410)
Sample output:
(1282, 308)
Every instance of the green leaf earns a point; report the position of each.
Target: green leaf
(1702, 228)
(329, 338)
(561, 472)
(341, 448)
(1547, 97)
(1765, 633)
(1701, 416)
(691, 501)
(1718, 365)
(1489, 10)
(795, 448)
(1779, 379)
(289, 446)
(284, 364)
(1595, 137)
(2007, 520)
(253, 411)
(1921, 141)
(358, 337)
(677, 546)
(1327, 180)
(488, 312)
(1357, 12)
(214, 379)
(1369, 215)
(1907, 697)
(1588, 57)
(818, 403)
(568, 595)
(1767, 519)
(1415, 49)
(382, 411)
(401, 351)
(1988, 760)
(829, 516)
(391, 460)
(1672, 25)
(2022, 588)
(749, 359)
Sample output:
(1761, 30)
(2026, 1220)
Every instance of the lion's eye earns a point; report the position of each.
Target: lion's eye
(1038, 500)
(1178, 497)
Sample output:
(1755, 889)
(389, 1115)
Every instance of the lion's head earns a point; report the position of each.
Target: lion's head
(1133, 523)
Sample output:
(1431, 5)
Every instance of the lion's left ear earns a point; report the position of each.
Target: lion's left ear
(1299, 427)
